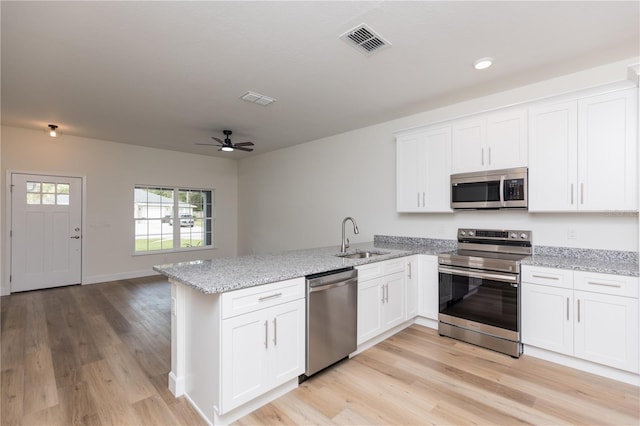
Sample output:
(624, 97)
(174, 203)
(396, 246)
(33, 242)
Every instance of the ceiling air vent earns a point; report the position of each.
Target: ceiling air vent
(365, 39)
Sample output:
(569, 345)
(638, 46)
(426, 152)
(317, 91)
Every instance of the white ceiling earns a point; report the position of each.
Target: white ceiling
(170, 74)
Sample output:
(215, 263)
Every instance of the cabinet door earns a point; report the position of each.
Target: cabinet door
(287, 341)
(423, 166)
(506, 139)
(606, 329)
(394, 300)
(607, 152)
(437, 170)
(468, 146)
(553, 148)
(412, 287)
(428, 287)
(369, 309)
(547, 320)
(245, 370)
(410, 190)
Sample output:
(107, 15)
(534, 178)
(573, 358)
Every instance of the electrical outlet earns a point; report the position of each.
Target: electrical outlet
(173, 306)
(572, 234)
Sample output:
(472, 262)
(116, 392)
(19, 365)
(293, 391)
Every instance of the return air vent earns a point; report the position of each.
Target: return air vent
(365, 39)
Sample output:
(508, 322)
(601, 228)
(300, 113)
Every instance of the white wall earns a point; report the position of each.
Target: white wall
(111, 171)
(297, 197)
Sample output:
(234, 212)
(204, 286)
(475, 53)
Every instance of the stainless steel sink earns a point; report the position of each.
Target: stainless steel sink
(361, 254)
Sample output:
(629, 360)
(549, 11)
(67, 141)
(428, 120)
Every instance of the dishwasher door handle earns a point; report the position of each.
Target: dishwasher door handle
(332, 285)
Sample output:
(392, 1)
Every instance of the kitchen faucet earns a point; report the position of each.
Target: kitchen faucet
(345, 241)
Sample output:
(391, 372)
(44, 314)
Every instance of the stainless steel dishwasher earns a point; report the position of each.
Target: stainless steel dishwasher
(332, 318)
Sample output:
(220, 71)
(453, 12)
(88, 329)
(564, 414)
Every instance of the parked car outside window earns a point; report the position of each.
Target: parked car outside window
(185, 220)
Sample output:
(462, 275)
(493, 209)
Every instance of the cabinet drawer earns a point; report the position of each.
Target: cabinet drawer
(380, 269)
(263, 296)
(617, 285)
(369, 271)
(547, 276)
(393, 266)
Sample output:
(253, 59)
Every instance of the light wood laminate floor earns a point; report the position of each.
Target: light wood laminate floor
(100, 355)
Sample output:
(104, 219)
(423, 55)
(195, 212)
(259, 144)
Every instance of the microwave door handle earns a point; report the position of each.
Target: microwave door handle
(502, 197)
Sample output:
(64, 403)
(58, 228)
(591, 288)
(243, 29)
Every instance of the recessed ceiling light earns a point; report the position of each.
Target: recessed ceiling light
(483, 63)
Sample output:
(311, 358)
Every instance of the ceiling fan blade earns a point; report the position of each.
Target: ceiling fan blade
(244, 144)
(216, 139)
(207, 144)
(239, 148)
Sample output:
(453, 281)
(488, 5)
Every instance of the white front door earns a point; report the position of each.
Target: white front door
(46, 225)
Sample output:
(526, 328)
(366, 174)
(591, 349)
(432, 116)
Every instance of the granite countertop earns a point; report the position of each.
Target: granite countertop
(233, 273)
(584, 264)
(588, 260)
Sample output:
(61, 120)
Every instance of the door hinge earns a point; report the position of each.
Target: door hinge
(11, 233)
(10, 278)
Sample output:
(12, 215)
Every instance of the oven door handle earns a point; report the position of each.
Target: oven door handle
(472, 274)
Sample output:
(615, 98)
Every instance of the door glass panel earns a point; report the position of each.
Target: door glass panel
(48, 188)
(33, 186)
(48, 193)
(33, 198)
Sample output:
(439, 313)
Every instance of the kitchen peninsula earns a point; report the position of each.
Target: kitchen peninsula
(228, 356)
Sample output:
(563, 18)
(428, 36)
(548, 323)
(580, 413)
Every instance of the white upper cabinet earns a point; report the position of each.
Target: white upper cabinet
(423, 167)
(583, 154)
(607, 152)
(497, 140)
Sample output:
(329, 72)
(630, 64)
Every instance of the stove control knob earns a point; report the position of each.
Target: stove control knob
(523, 236)
(471, 233)
(463, 233)
(514, 235)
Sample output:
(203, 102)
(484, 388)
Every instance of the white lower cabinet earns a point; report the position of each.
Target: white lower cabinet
(412, 288)
(261, 350)
(428, 288)
(381, 297)
(599, 325)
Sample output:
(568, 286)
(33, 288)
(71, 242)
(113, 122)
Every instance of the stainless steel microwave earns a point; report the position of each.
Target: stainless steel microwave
(492, 189)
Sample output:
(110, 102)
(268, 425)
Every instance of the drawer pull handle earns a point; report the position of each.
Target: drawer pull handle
(273, 296)
(603, 284)
(546, 277)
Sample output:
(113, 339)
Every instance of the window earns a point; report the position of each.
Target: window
(172, 218)
(48, 193)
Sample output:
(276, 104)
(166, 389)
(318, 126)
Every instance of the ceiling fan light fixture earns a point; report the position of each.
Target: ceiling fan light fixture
(227, 148)
(483, 63)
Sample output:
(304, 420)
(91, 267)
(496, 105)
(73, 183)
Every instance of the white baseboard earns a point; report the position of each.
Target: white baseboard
(176, 385)
(582, 365)
(96, 279)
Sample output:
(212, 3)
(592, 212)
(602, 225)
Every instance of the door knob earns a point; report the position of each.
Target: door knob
(75, 237)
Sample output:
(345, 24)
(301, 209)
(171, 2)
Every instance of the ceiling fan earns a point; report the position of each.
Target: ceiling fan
(227, 145)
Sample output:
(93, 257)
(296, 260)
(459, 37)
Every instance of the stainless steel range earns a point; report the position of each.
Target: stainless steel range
(479, 287)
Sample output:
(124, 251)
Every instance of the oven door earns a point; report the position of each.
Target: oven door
(484, 300)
